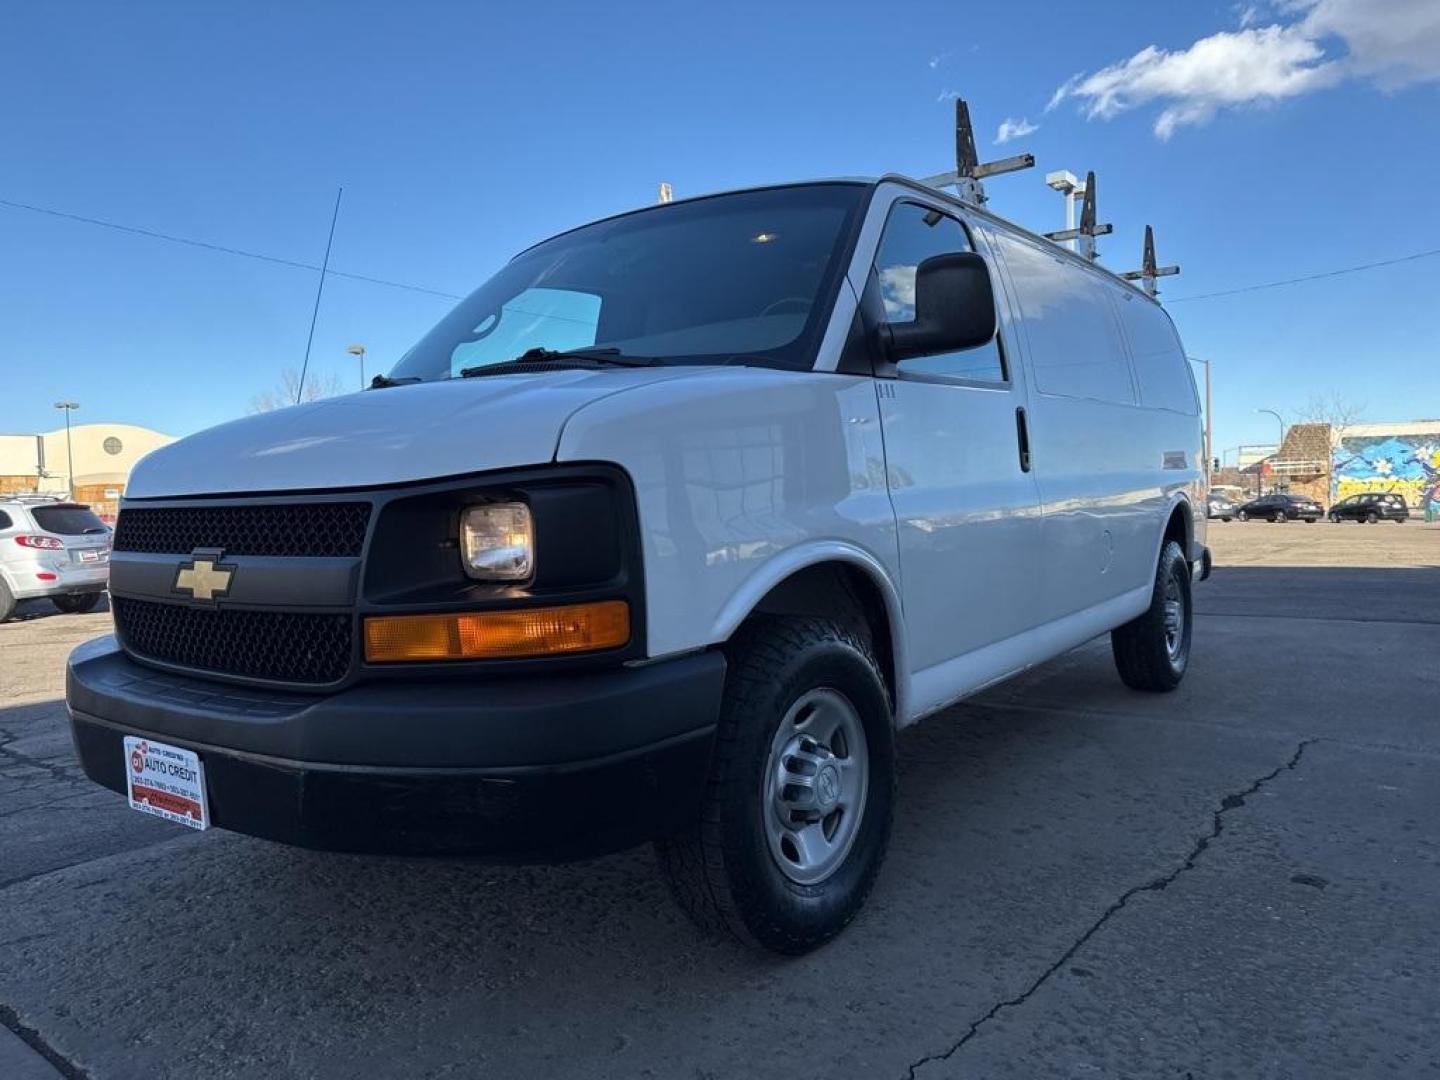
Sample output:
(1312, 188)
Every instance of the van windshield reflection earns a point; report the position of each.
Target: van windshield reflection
(749, 275)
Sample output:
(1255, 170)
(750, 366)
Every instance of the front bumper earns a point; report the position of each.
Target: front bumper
(519, 768)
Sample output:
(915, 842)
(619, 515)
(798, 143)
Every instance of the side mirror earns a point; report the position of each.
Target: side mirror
(954, 309)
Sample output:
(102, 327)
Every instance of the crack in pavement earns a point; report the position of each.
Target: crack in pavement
(1217, 825)
(60, 772)
(33, 1039)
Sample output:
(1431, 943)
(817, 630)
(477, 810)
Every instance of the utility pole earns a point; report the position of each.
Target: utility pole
(69, 407)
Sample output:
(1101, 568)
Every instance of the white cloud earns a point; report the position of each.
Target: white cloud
(1014, 129)
(1390, 42)
(1248, 14)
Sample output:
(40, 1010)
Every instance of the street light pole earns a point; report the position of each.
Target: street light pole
(359, 351)
(1278, 446)
(68, 407)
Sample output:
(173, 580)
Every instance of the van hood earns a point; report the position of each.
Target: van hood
(397, 435)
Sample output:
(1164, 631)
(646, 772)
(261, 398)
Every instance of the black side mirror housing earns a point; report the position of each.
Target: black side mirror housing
(954, 309)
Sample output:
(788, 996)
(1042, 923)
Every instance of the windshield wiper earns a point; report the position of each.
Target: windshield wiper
(380, 382)
(529, 359)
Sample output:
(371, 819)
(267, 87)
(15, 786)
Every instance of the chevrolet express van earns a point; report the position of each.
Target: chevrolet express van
(660, 535)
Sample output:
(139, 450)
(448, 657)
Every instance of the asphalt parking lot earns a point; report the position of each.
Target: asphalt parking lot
(1236, 880)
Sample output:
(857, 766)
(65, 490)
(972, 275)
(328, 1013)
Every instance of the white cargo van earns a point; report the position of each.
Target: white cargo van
(660, 535)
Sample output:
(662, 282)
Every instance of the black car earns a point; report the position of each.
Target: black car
(1371, 507)
(1281, 508)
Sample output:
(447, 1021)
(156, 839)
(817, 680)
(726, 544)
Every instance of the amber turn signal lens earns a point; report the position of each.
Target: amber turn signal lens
(495, 635)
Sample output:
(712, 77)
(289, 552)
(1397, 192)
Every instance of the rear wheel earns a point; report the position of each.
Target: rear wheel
(1371, 517)
(76, 603)
(797, 806)
(1279, 517)
(7, 601)
(1153, 651)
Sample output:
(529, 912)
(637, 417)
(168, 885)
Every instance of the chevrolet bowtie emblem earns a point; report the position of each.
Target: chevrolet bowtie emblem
(203, 579)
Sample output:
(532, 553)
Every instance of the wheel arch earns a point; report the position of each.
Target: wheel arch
(836, 580)
(1179, 526)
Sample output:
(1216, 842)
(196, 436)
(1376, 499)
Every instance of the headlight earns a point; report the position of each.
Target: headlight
(497, 542)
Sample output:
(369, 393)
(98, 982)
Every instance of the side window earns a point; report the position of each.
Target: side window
(1160, 365)
(913, 234)
(5, 522)
(1075, 348)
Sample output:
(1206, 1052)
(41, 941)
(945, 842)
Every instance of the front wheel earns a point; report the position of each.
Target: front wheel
(1371, 518)
(1279, 517)
(1334, 519)
(1242, 516)
(1153, 650)
(76, 603)
(797, 807)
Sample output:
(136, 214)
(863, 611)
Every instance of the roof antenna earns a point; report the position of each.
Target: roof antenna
(1084, 236)
(1148, 271)
(969, 170)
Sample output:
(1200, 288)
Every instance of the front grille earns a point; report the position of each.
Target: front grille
(285, 530)
(282, 646)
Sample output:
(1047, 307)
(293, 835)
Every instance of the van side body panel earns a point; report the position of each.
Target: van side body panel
(1110, 466)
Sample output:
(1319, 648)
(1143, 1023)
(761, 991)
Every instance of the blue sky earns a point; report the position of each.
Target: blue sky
(1262, 142)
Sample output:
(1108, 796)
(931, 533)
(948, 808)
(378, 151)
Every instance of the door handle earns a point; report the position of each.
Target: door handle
(1022, 433)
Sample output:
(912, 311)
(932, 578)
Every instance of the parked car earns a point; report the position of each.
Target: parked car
(54, 549)
(1281, 507)
(1371, 507)
(1218, 506)
(661, 535)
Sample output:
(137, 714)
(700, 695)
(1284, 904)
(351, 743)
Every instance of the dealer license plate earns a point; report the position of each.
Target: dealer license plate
(166, 781)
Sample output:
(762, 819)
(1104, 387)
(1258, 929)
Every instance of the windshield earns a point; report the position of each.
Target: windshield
(748, 275)
(67, 520)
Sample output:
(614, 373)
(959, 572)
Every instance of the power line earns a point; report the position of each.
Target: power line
(1307, 277)
(223, 249)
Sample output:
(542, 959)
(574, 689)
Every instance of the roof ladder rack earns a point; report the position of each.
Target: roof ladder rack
(1084, 236)
(1148, 271)
(969, 169)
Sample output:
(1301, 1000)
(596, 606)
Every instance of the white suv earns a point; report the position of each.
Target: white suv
(661, 534)
(51, 548)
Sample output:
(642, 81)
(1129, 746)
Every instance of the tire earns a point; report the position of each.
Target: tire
(7, 601)
(1310, 521)
(1279, 517)
(1145, 654)
(1334, 519)
(1224, 519)
(1371, 517)
(76, 603)
(1242, 516)
(729, 871)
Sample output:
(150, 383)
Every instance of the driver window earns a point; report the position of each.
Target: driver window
(913, 234)
(552, 318)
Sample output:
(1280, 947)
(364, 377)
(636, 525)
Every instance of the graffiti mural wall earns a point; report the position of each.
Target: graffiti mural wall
(1406, 464)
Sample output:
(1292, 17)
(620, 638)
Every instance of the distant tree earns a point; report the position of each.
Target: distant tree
(317, 386)
(1333, 408)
